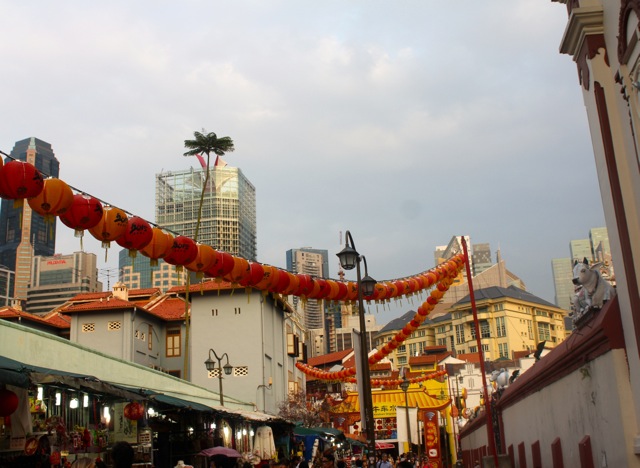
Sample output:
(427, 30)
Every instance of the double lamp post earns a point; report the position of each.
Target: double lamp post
(210, 364)
(349, 259)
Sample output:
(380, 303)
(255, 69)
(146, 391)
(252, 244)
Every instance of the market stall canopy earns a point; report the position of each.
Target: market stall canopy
(325, 432)
(16, 373)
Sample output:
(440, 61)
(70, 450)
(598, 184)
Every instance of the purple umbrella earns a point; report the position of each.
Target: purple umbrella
(227, 452)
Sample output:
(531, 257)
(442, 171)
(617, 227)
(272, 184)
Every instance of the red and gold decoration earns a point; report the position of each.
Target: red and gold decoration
(134, 411)
(182, 252)
(136, 236)
(161, 243)
(8, 402)
(20, 180)
(84, 212)
(54, 199)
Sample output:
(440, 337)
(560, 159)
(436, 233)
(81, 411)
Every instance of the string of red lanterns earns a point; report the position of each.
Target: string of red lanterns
(50, 197)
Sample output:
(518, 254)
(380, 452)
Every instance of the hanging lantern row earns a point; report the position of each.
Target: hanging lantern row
(423, 311)
(52, 197)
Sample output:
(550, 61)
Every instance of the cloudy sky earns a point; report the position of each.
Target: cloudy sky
(404, 122)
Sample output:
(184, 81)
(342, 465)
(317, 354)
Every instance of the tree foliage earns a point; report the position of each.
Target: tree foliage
(298, 409)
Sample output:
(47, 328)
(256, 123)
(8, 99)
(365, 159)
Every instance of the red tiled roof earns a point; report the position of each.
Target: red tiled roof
(380, 366)
(331, 358)
(469, 357)
(143, 292)
(168, 308)
(90, 296)
(111, 303)
(9, 313)
(58, 320)
(421, 360)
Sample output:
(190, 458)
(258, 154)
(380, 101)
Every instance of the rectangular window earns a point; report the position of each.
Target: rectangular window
(459, 334)
(173, 342)
(88, 327)
(485, 329)
(150, 335)
(114, 326)
(501, 329)
(530, 329)
(544, 333)
(402, 349)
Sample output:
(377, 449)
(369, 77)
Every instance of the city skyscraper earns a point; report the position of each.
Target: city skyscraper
(228, 221)
(24, 233)
(562, 270)
(314, 262)
(580, 249)
(56, 279)
(599, 238)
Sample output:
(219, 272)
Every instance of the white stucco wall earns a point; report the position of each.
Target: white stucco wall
(41, 349)
(594, 401)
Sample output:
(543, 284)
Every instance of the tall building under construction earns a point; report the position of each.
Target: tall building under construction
(228, 221)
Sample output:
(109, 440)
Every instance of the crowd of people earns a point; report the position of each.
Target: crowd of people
(328, 459)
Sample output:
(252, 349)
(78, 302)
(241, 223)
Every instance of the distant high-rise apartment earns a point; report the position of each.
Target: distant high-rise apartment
(138, 273)
(24, 233)
(314, 262)
(481, 258)
(562, 269)
(228, 221)
(580, 249)
(6, 286)
(58, 278)
(599, 238)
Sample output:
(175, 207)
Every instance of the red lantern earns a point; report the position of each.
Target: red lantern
(84, 213)
(159, 246)
(19, 180)
(240, 270)
(111, 226)
(54, 199)
(221, 266)
(282, 284)
(205, 258)
(183, 251)
(268, 278)
(255, 276)
(8, 402)
(137, 235)
(294, 283)
(306, 285)
(134, 411)
(400, 287)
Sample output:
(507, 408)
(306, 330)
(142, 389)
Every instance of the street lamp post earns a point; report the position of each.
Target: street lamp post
(350, 258)
(227, 368)
(404, 386)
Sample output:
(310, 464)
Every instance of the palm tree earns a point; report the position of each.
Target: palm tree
(203, 144)
(207, 144)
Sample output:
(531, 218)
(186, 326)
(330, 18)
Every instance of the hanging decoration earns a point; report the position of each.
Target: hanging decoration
(203, 261)
(136, 236)
(8, 402)
(182, 252)
(444, 274)
(110, 227)
(84, 213)
(161, 243)
(19, 180)
(54, 199)
(133, 411)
